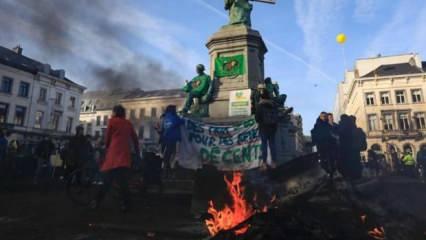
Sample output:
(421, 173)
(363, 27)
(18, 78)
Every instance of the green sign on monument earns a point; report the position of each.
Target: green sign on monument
(230, 66)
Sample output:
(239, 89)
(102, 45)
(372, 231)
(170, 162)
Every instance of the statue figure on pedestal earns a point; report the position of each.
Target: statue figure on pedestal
(273, 90)
(239, 11)
(201, 88)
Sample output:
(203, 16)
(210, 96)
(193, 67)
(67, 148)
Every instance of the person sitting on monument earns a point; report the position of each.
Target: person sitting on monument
(198, 87)
(267, 116)
(274, 92)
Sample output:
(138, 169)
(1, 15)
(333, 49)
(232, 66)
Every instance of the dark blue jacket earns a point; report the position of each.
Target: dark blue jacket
(3, 148)
(171, 128)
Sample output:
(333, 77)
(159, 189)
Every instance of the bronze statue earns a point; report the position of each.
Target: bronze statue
(200, 87)
(239, 11)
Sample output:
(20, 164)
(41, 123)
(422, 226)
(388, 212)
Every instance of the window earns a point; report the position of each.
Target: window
(154, 112)
(20, 115)
(58, 99)
(72, 102)
(400, 97)
(6, 85)
(24, 89)
(420, 120)
(372, 122)
(404, 121)
(369, 98)
(416, 95)
(56, 119)
(70, 121)
(132, 114)
(4, 110)
(98, 120)
(105, 120)
(388, 121)
(385, 98)
(142, 113)
(42, 96)
(89, 129)
(141, 132)
(38, 119)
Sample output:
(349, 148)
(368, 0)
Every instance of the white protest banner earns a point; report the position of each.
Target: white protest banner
(228, 148)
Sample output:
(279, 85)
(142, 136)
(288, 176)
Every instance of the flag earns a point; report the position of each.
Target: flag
(230, 66)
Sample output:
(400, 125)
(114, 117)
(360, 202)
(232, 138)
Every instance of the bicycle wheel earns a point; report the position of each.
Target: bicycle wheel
(80, 187)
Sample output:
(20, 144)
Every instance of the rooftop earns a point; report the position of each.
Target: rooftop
(156, 93)
(395, 69)
(15, 59)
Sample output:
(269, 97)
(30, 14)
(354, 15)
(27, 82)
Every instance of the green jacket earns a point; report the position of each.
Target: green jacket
(408, 160)
(198, 86)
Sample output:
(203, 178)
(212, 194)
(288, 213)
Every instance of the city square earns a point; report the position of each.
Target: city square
(197, 119)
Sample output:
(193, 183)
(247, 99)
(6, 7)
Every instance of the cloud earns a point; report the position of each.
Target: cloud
(402, 33)
(91, 38)
(317, 19)
(365, 10)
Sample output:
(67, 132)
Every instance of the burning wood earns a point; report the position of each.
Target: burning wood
(230, 216)
(377, 233)
(235, 214)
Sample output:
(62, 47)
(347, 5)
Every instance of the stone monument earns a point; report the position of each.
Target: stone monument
(236, 57)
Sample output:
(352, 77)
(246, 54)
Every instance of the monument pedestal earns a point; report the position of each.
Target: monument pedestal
(231, 41)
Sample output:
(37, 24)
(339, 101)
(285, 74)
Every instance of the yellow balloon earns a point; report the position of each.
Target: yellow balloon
(341, 38)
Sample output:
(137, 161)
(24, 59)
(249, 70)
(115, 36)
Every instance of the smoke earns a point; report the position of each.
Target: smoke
(86, 37)
(151, 73)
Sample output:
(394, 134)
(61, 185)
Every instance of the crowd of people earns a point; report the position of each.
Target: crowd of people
(109, 159)
(339, 146)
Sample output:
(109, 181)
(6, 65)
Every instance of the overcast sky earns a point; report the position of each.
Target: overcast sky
(156, 43)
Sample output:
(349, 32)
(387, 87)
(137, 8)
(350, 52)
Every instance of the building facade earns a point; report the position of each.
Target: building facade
(96, 109)
(34, 98)
(386, 95)
(144, 109)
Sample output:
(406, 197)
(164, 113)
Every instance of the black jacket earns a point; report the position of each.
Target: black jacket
(267, 116)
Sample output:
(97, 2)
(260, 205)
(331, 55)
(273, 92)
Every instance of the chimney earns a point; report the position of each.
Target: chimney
(61, 74)
(18, 49)
(46, 68)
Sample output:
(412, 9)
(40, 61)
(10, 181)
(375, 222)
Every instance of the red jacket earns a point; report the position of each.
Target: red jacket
(120, 138)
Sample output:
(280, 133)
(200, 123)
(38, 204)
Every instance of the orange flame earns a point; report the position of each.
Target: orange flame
(231, 216)
(377, 233)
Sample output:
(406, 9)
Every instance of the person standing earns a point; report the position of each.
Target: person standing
(267, 116)
(3, 153)
(120, 139)
(78, 151)
(334, 150)
(409, 165)
(170, 136)
(322, 138)
(421, 161)
(43, 152)
(373, 162)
